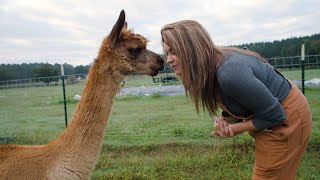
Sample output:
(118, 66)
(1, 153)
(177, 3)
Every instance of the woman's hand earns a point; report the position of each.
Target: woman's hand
(222, 128)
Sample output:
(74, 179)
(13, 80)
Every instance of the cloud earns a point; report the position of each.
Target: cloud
(73, 30)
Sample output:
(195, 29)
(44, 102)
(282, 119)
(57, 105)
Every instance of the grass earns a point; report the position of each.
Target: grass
(153, 137)
(175, 161)
(296, 74)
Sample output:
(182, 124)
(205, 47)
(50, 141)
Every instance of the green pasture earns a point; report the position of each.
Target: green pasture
(155, 137)
(296, 74)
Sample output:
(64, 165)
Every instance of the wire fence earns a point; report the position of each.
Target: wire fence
(294, 62)
(33, 108)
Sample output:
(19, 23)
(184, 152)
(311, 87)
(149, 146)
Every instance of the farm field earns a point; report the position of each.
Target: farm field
(155, 137)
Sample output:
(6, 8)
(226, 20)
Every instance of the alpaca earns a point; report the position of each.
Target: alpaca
(74, 154)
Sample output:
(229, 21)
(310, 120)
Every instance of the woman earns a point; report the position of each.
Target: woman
(247, 89)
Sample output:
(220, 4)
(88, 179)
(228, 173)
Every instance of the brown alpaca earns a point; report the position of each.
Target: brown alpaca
(74, 154)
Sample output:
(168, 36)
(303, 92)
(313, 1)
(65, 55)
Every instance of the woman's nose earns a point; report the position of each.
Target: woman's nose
(169, 59)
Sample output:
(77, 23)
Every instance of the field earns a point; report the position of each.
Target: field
(155, 137)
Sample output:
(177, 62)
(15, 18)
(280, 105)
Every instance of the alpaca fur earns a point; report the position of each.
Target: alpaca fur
(74, 154)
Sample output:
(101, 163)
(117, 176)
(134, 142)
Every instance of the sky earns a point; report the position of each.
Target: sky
(71, 31)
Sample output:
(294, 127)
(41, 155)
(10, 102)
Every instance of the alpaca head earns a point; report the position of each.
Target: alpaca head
(126, 53)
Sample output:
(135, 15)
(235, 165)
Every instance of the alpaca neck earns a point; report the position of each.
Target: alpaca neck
(87, 128)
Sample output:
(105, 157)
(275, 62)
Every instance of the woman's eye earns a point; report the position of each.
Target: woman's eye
(135, 51)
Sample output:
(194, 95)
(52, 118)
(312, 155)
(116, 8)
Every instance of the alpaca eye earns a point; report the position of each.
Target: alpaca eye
(135, 51)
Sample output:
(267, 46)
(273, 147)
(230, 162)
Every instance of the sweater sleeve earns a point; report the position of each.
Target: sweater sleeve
(238, 81)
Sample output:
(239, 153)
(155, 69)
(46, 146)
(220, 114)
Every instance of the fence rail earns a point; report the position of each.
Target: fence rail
(293, 62)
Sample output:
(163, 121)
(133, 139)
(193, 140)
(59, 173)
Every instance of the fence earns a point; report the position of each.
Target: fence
(294, 62)
(33, 108)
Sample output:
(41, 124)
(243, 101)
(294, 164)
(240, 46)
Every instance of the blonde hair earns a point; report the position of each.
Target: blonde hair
(198, 60)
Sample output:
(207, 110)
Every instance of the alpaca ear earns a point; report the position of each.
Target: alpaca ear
(124, 29)
(125, 26)
(114, 36)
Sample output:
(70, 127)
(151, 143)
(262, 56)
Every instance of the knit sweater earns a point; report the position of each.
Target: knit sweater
(251, 86)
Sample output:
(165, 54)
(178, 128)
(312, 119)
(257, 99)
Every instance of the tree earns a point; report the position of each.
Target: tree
(68, 69)
(81, 69)
(5, 74)
(47, 71)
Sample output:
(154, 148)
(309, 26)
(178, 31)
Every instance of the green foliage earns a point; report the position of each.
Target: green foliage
(286, 47)
(67, 68)
(47, 70)
(25, 71)
(81, 69)
(17, 71)
(5, 74)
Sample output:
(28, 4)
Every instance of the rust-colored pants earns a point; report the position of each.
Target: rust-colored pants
(278, 151)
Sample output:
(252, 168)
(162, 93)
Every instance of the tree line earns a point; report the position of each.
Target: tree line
(286, 47)
(35, 70)
(282, 48)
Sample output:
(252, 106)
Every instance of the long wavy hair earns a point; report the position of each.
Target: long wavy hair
(198, 62)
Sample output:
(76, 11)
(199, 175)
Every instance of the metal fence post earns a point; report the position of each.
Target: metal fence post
(302, 66)
(64, 96)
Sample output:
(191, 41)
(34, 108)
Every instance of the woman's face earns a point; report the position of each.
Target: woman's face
(172, 59)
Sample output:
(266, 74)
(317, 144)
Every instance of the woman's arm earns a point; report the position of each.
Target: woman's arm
(225, 129)
(243, 126)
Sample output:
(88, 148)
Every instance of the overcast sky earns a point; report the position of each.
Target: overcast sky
(71, 31)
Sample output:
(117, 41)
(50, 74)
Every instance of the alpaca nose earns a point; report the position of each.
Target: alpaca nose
(160, 60)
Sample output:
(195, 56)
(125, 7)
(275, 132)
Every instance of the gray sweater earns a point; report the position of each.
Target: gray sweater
(251, 86)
